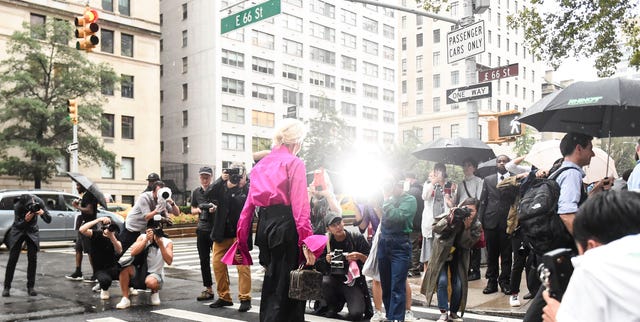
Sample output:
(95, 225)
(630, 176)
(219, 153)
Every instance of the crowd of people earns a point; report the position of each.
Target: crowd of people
(435, 231)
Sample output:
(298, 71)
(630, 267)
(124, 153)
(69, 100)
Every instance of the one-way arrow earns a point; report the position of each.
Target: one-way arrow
(468, 93)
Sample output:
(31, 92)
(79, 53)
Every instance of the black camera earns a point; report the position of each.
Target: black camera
(204, 209)
(158, 223)
(338, 259)
(235, 174)
(113, 227)
(555, 271)
(33, 207)
(460, 214)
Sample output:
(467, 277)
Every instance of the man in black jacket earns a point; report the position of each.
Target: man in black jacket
(494, 209)
(203, 206)
(340, 286)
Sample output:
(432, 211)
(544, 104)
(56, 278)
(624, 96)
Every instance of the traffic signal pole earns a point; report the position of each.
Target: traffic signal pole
(470, 70)
(74, 157)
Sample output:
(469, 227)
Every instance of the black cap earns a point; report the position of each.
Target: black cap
(331, 217)
(153, 177)
(206, 170)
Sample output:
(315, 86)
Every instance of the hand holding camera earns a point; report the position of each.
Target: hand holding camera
(555, 271)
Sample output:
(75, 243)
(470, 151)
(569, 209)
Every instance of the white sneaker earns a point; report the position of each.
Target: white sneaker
(124, 303)
(155, 298)
(513, 300)
(408, 316)
(378, 316)
(133, 291)
(444, 317)
(96, 288)
(104, 295)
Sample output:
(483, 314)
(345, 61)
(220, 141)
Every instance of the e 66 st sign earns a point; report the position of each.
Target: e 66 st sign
(465, 42)
(248, 16)
(497, 73)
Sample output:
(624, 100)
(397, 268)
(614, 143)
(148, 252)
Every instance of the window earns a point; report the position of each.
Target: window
(455, 77)
(185, 12)
(454, 9)
(232, 142)
(233, 114)
(436, 104)
(317, 102)
(508, 87)
(127, 127)
(404, 109)
(370, 47)
(323, 8)
(508, 44)
(291, 22)
(185, 64)
(106, 41)
(258, 143)
(320, 79)
(348, 86)
(348, 109)
(232, 86)
(404, 43)
(184, 38)
(419, 63)
(369, 113)
(237, 34)
(370, 25)
(348, 40)
(107, 5)
(292, 47)
(161, 96)
(524, 72)
(388, 116)
(370, 136)
(261, 65)
(436, 36)
(419, 39)
(489, 34)
(436, 58)
(106, 85)
(126, 168)
(419, 84)
(370, 91)
(161, 45)
(524, 93)
(323, 32)
(370, 69)
(499, 38)
(323, 56)
(291, 97)
(419, 107)
(107, 171)
(515, 90)
(404, 87)
(185, 144)
(262, 39)
(419, 20)
(126, 86)
(37, 21)
(387, 138)
(161, 20)
(436, 80)
(291, 72)
(498, 19)
(404, 65)
(388, 32)
(108, 125)
(403, 23)
(350, 132)
(185, 92)
(297, 3)
(388, 95)
(388, 74)
(348, 17)
(264, 119)
(435, 132)
(185, 118)
(126, 45)
(124, 7)
(387, 52)
(232, 58)
(455, 130)
(262, 92)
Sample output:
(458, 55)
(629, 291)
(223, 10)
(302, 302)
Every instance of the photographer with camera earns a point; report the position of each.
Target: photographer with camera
(153, 249)
(88, 207)
(322, 199)
(455, 233)
(342, 263)
(149, 204)
(105, 250)
(231, 192)
(605, 284)
(25, 229)
(202, 206)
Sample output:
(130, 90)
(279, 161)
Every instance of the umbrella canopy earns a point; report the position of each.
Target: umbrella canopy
(454, 151)
(544, 153)
(90, 186)
(606, 107)
(486, 168)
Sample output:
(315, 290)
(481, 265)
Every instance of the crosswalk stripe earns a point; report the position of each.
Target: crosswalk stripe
(193, 316)
(107, 319)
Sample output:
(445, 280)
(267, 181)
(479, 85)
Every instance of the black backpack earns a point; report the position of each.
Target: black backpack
(540, 224)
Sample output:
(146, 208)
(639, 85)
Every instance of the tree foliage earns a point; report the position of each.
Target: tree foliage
(40, 74)
(524, 142)
(621, 151)
(326, 142)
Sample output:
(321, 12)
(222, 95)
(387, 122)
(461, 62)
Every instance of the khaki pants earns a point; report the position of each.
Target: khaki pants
(221, 273)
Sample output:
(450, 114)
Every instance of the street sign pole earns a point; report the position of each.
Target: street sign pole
(74, 157)
(470, 66)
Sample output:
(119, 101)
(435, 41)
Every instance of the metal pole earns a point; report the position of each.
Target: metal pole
(416, 12)
(470, 70)
(74, 157)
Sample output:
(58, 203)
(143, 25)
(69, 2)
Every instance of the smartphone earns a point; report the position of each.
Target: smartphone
(447, 188)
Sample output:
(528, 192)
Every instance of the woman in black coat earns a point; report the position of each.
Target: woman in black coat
(27, 208)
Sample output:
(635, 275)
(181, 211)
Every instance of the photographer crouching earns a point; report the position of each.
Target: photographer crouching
(25, 229)
(105, 250)
(343, 282)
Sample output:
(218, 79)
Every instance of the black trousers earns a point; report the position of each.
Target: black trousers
(337, 293)
(416, 249)
(204, 244)
(105, 276)
(498, 250)
(127, 238)
(474, 261)
(277, 238)
(534, 312)
(32, 261)
(523, 259)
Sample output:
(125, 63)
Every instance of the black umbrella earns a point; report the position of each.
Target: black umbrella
(486, 168)
(602, 108)
(90, 186)
(454, 151)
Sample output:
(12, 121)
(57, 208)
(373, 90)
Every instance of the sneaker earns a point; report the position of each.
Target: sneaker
(5, 292)
(205, 296)
(104, 295)
(76, 276)
(245, 305)
(92, 279)
(124, 303)
(443, 317)
(378, 316)
(408, 316)
(454, 317)
(220, 303)
(96, 288)
(155, 298)
(528, 296)
(513, 300)
(31, 291)
(133, 291)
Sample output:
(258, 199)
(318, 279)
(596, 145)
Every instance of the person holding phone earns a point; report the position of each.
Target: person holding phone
(322, 200)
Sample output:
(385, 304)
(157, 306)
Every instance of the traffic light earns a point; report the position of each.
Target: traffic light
(86, 27)
(73, 110)
(503, 126)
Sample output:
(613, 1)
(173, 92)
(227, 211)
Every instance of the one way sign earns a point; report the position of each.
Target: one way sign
(468, 93)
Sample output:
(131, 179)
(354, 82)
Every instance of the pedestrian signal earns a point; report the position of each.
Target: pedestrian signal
(86, 27)
(73, 110)
(509, 125)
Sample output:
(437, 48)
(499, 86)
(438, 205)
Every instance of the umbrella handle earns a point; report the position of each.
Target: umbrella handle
(608, 151)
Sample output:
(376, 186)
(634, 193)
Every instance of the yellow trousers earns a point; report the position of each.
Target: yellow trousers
(221, 273)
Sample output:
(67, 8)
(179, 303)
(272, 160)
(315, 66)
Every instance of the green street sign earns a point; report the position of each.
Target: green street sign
(248, 16)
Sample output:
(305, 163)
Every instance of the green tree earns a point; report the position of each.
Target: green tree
(326, 142)
(40, 74)
(524, 142)
(621, 151)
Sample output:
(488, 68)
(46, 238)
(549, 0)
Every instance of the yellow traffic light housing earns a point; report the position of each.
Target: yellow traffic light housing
(73, 110)
(86, 27)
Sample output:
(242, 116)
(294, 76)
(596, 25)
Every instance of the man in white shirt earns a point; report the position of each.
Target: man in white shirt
(605, 285)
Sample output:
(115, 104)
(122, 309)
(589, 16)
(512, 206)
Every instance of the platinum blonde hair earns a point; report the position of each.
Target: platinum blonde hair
(289, 131)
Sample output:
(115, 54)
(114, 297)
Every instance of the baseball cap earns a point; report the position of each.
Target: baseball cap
(331, 217)
(153, 177)
(206, 170)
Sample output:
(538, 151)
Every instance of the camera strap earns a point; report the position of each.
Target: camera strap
(464, 183)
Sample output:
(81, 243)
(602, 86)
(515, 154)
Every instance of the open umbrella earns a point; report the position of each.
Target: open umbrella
(454, 151)
(90, 186)
(544, 153)
(486, 168)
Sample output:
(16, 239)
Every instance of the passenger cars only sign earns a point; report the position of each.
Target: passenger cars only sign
(465, 42)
